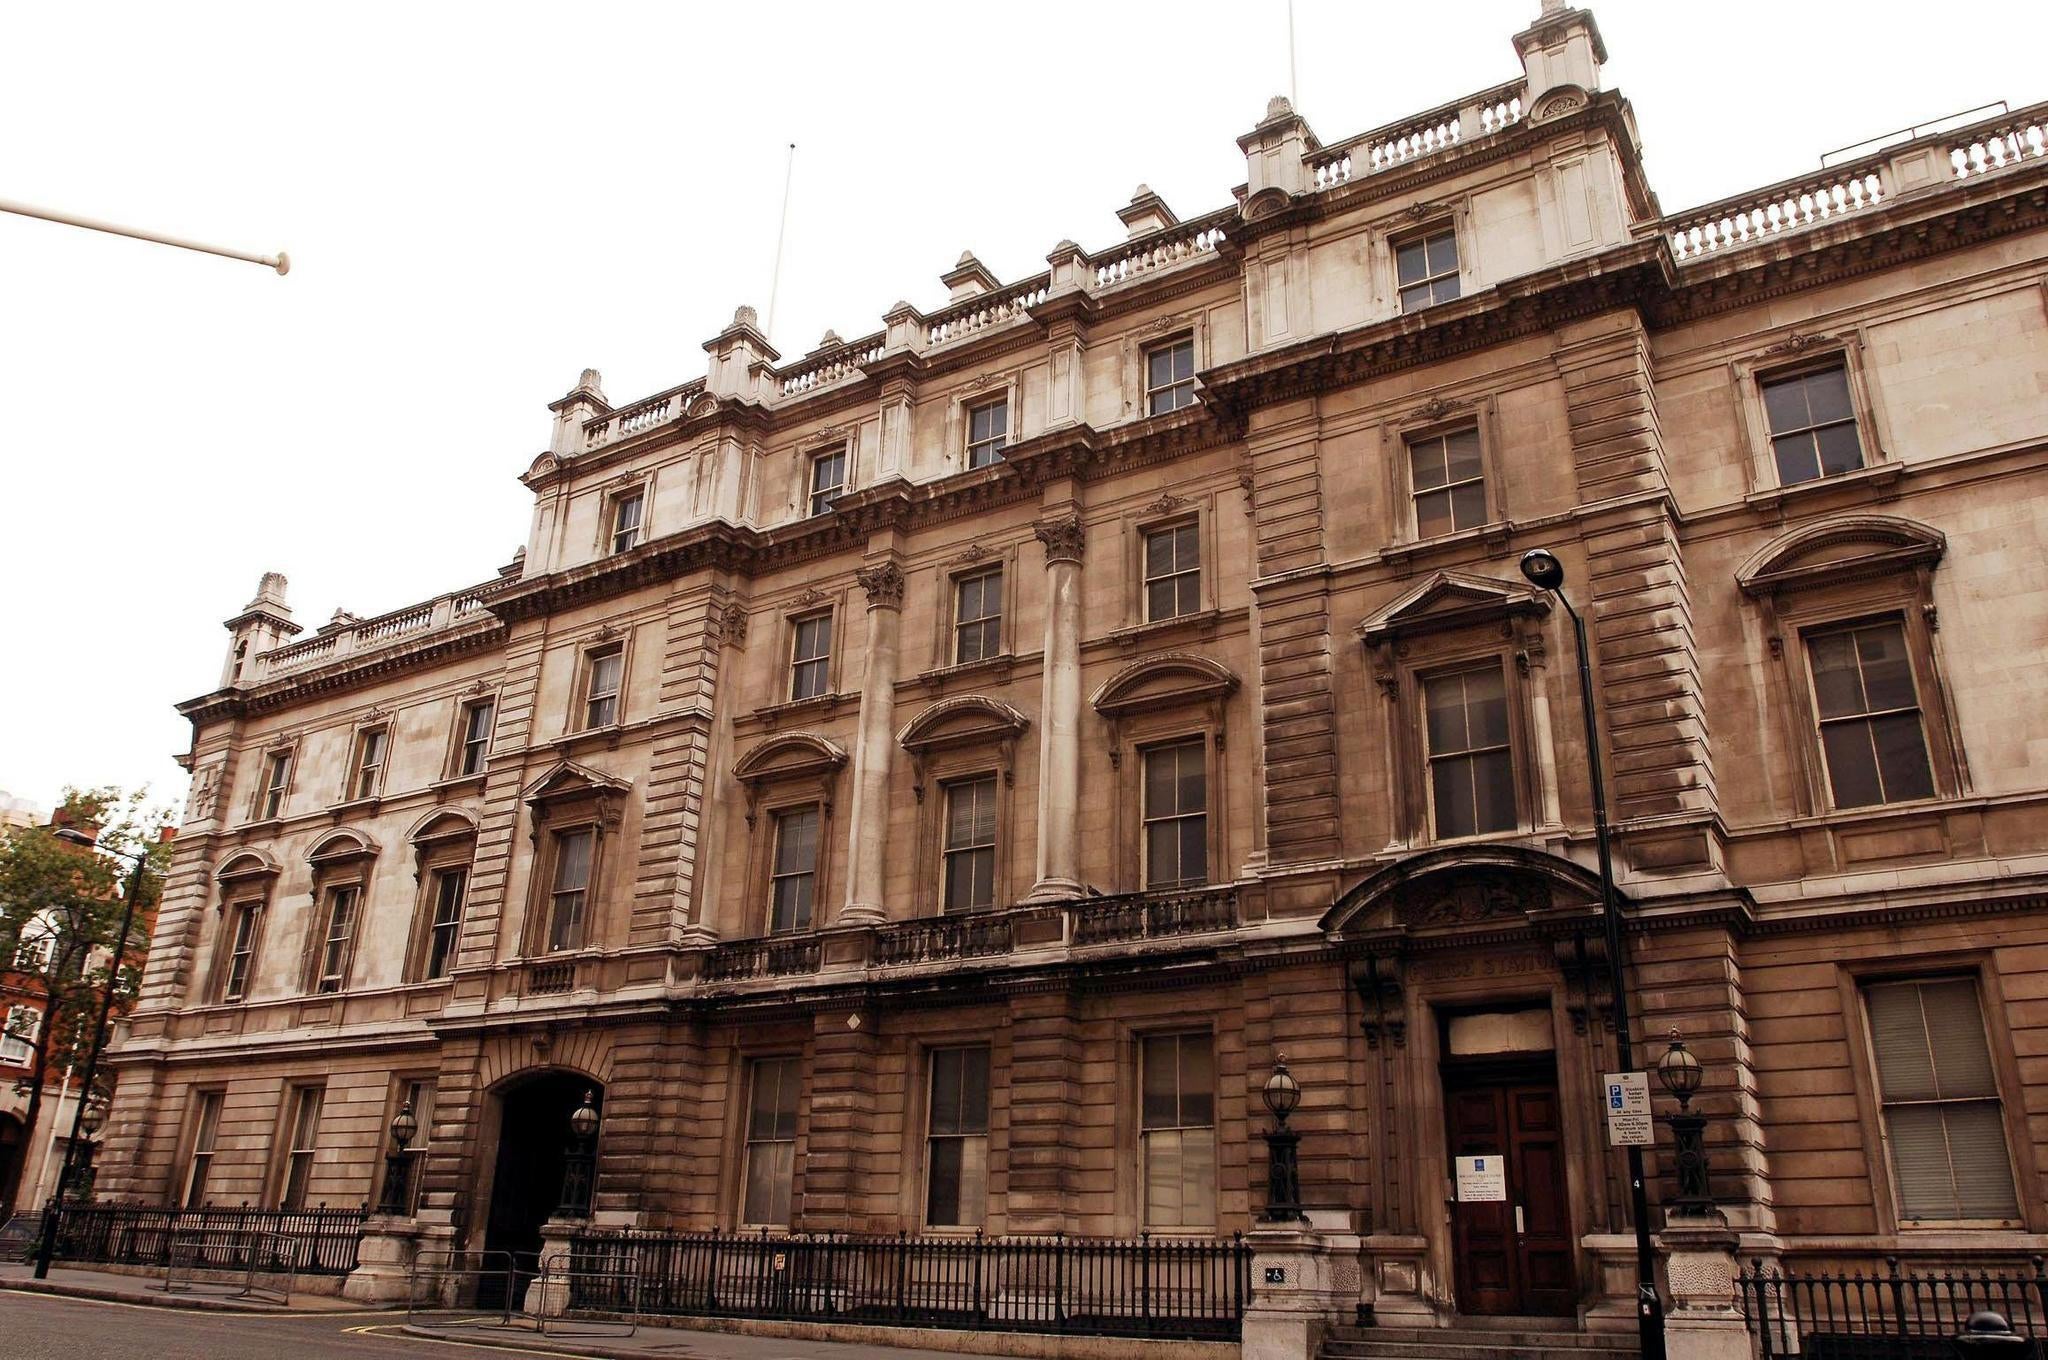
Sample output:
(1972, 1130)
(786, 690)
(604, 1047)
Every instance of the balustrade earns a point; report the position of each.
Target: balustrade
(1414, 138)
(1791, 206)
(462, 606)
(990, 309)
(2007, 146)
(1148, 254)
(830, 365)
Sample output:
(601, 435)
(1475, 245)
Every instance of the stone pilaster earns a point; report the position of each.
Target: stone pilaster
(678, 770)
(1045, 1094)
(498, 826)
(1059, 730)
(843, 1155)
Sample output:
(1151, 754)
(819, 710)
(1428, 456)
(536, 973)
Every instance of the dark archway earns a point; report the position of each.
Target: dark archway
(13, 1161)
(526, 1182)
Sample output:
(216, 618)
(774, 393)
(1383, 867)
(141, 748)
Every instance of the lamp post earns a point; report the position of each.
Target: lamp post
(94, 1115)
(1283, 1165)
(46, 1249)
(1545, 572)
(579, 1166)
(398, 1162)
(1681, 1073)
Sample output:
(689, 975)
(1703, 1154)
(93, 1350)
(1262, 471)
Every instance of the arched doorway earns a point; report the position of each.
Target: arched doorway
(526, 1177)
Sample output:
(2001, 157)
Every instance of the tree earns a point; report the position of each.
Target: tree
(60, 910)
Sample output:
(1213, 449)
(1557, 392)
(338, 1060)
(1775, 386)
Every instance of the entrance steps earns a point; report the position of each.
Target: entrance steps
(1466, 1342)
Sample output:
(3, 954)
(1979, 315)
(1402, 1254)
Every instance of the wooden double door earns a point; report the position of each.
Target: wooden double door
(1513, 1256)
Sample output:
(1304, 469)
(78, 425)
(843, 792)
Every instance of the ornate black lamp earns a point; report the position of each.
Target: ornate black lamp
(1283, 1165)
(90, 1120)
(579, 1166)
(1681, 1073)
(405, 1125)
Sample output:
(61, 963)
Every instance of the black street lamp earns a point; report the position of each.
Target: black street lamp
(94, 1115)
(1545, 572)
(1283, 1163)
(1681, 1074)
(398, 1163)
(46, 1249)
(579, 1164)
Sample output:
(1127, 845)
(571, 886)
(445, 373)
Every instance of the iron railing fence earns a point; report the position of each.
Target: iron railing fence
(1892, 1314)
(318, 1241)
(1184, 1289)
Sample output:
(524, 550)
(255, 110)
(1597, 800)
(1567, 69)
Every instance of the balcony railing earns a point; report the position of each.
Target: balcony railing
(944, 937)
(771, 957)
(1151, 916)
(1178, 1289)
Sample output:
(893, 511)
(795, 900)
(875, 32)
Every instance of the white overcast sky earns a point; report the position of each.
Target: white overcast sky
(481, 200)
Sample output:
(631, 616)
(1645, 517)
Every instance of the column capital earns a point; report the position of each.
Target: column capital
(883, 584)
(1064, 539)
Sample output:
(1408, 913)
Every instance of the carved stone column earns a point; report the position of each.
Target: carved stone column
(1059, 729)
(867, 832)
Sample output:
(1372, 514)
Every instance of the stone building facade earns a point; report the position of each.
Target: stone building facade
(925, 784)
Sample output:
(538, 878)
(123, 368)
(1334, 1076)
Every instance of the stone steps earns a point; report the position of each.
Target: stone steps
(1473, 1343)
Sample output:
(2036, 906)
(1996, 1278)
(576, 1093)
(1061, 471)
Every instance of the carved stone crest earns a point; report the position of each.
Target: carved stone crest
(1798, 342)
(811, 595)
(883, 584)
(975, 552)
(1166, 502)
(1471, 898)
(1064, 539)
(1436, 408)
(732, 623)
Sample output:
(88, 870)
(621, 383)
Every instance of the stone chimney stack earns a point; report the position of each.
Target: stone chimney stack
(1274, 151)
(1561, 56)
(265, 622)
(584, 400)
(740, 359)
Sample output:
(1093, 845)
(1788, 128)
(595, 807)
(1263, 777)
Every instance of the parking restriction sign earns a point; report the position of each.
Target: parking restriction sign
(1628, 1109)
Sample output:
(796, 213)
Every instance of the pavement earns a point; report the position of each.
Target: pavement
(94, 1315)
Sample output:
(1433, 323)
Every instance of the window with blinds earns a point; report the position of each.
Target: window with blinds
(1944, 1124)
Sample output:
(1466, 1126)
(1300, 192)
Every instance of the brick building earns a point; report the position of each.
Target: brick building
(924, 784)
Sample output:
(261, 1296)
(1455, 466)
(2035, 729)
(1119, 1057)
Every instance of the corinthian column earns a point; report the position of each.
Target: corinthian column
(1059, 728)
(867, 833)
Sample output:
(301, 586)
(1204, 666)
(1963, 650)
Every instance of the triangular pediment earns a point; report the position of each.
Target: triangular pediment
(1450, 599)
(570, 778)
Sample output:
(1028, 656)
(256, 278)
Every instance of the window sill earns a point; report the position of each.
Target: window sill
(1881, 478)
(773, 715)
(456, 783)
(1202, 623)
(351, 806)
(937, 678)
(587, 738)
(1494, 535)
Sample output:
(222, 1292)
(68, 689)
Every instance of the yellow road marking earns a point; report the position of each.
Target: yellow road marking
(471, 1345)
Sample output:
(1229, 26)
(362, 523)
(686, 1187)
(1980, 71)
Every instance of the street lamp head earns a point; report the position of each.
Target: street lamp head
(404, 1125)
(73, 836)
(1281, 1092)
(1543, 570)
(583, 1122)
(1679, 1070)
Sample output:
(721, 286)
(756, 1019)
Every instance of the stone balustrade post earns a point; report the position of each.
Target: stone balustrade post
(1059, 730)
(1303, 1282)
(867, 834)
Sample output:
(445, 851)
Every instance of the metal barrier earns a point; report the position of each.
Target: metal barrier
(265, 1255)
(319, 1241)
(443, 1285)
(1893, 1315)
(620, 1289)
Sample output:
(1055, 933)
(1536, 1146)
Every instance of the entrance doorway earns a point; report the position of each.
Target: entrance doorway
(1513, 1256)
(526, 1184)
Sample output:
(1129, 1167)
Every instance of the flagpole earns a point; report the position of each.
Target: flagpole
(781, 232)
(281, 262)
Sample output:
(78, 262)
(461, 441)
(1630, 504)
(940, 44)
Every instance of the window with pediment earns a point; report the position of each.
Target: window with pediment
(576, 812)
(341, 863)
(444, 847)
(1165, 718)
(962, 766)
(1845, 611)
(790, 782)
(1459, 662)
(245, 882)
